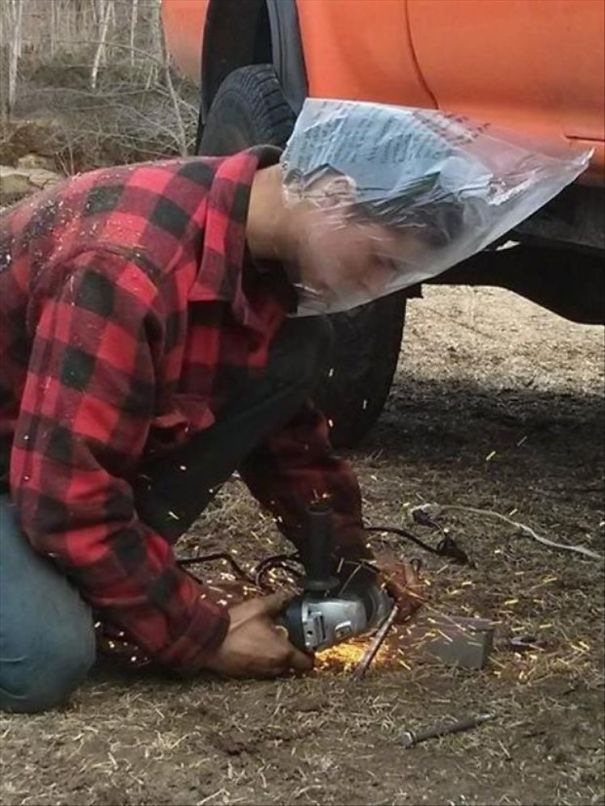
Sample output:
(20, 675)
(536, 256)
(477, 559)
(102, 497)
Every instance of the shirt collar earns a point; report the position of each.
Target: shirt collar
(220, 275)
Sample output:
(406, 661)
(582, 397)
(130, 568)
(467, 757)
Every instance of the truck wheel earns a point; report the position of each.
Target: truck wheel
(248, 109)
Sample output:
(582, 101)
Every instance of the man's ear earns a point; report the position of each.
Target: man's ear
(323, 192)
(337, 191)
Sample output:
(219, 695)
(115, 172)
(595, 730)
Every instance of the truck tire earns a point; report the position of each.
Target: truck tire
(248, 109)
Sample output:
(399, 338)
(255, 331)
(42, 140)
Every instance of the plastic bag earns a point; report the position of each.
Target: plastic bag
(427, 189)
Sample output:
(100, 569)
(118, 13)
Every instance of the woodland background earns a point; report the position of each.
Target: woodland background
(88, 82)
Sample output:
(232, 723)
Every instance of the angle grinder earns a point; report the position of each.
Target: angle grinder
(340, 599)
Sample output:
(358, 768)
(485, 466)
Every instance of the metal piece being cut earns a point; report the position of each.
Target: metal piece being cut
(377, 642)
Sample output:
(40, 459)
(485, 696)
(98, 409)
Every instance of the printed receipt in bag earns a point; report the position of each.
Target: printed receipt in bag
(385, 150)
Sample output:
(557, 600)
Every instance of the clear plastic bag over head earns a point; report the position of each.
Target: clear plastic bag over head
(386, 197)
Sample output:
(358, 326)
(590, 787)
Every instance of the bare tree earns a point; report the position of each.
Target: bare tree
(11, 41)
(53, 27)
(142, 114)
(105, 14)
(133, 24)
(181, 134)
(17, 6)
(155, 29)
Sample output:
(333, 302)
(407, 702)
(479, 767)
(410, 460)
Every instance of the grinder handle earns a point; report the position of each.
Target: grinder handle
(316, 552)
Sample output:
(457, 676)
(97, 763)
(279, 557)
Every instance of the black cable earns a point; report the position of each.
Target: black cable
(257, 577)
(447, 546)
(286, 562)
(218, 555)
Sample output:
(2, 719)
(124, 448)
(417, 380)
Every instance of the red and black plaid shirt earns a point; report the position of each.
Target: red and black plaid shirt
(121, 302)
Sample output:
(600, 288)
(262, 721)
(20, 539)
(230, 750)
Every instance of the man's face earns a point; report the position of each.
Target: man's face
(337, 258)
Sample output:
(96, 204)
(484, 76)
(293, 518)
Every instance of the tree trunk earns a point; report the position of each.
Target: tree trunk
(105, 12)
(155, 24)
(13, 42)
(181, 134)
(133, 24)
(53, 27)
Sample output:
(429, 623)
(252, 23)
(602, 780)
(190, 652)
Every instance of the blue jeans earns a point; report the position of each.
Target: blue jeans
(47, 642)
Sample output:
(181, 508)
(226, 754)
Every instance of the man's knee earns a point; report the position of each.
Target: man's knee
(43, 672)
(47, 640)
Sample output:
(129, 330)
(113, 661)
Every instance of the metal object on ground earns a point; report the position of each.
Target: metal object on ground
(526, 643)
(377, 641)
(457, 641)
(410, 738)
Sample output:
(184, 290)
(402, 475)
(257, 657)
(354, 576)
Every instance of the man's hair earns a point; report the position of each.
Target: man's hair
(437, 223)
(437, 218)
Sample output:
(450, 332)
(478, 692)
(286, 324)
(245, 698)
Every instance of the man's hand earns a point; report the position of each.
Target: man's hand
(402, 583)
(400, 577)
(255, 646)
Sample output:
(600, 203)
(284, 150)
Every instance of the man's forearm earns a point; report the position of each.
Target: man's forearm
(297, 466)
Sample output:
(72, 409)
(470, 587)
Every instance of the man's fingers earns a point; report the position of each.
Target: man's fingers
(300, 661)
(411, 574)
(255, 646)
(275, 603)
(405, 586)
(296, 660)
(267, 606)
(402, 574)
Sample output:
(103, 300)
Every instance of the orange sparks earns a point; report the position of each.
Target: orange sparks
(345, 657)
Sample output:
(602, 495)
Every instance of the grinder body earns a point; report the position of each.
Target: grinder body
(339, 601)
(316, 623)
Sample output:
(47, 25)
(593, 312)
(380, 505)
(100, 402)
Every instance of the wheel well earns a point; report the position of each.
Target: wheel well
(237, 34)
(567, 281)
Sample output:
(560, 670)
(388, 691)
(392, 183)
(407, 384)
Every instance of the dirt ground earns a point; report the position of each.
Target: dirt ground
(497, 405)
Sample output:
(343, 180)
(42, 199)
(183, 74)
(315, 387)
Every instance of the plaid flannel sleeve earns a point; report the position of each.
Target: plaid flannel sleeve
(296, 466)
(85, 416)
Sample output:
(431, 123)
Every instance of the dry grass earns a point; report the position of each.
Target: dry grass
(479, 374)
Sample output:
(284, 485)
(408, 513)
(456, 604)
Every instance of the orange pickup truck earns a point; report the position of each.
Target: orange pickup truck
(537, 66)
